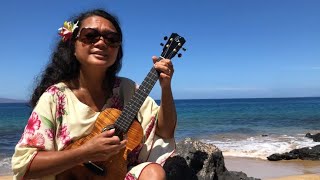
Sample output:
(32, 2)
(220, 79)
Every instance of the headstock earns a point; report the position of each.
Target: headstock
(172, 46)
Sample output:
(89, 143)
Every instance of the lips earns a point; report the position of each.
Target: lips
(100, 54)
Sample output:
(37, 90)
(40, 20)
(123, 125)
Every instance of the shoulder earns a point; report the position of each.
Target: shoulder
(126, 83)
(56, 88)
(53, 92)
(125, 80)
(127, 88)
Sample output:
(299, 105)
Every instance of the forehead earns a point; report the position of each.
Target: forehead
(98, 22)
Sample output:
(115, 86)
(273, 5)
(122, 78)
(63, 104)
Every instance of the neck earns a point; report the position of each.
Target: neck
(90, 90)
(91, 80)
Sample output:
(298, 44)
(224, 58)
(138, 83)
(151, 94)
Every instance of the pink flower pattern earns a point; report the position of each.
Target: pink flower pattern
(52, 90)
(29, 137)
(49, 133)
(33, 123)
(150, 127)
(61, 100)
(130, 176)
(60, 105)
(35, 140)
(63, 135)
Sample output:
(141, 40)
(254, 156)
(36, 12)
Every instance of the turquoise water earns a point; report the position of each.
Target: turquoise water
(239, 127)
(248, 116)
(13, 118)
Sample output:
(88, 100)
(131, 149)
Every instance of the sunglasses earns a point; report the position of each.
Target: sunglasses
(91, 36)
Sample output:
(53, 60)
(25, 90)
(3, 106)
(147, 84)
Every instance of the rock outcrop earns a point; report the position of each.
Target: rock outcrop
(195, 160)
(316, 137)
(307, 153)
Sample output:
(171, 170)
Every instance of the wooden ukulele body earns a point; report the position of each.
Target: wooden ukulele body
(116, 166)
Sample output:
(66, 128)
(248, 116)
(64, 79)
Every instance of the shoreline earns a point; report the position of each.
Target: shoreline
(274, 170)
(264, 169)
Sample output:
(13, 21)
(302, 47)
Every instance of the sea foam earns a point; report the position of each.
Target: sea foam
(5, 166)
(260, 146)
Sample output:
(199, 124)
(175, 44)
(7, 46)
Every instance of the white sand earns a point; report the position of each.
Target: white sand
(265, 169)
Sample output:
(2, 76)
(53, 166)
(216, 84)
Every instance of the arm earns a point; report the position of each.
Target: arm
(101, 147)
(167, 116)
(53, 162)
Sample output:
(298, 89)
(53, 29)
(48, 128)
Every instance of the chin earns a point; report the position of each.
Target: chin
(103, 63)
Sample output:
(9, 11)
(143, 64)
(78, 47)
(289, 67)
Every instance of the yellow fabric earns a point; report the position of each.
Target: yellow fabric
(51, 127)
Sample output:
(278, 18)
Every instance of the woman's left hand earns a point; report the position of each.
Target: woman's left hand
(165, 67)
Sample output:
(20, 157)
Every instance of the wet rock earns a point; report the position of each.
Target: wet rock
(306, 153)
(195, 160)
(316, 137)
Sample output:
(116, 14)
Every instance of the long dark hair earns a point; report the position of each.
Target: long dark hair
(64, 67)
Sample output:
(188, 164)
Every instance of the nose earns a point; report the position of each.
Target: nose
(102, 41)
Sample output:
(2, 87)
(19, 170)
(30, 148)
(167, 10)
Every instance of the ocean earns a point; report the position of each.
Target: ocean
(254, 128)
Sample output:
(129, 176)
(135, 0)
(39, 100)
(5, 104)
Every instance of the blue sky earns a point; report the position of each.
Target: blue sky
(235, 49)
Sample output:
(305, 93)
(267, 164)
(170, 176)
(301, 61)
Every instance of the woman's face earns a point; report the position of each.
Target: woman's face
(100, 53)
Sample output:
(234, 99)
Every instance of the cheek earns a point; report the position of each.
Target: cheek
(115, 53)
(80, 52)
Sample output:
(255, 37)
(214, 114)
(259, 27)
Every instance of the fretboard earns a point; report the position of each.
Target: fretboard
(132, 107)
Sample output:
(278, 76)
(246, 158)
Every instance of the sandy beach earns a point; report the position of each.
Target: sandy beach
(268, 170)
(6, 177)
(275, 170)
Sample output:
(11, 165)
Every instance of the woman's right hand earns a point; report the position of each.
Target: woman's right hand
(102, 146)
(99, 148)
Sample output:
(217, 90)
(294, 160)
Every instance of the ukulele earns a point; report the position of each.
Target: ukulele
(124, 123)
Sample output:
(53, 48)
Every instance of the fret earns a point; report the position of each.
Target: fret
(130, 108)
(133, 106)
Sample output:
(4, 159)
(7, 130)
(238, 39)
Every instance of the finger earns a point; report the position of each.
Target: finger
(154, 59)
(114, 149)
(123, 143)
(164, 76)
(163, 60)
(166, 70)
(161, 66)
(166, 62)
(114, 140)
(108, 133)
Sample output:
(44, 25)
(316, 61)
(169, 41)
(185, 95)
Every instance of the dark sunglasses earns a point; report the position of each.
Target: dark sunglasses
(91, 36)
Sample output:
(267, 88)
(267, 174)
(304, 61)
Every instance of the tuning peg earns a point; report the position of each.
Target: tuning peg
(165, 38)
(161, 44)
(179, 55)
(184, 49)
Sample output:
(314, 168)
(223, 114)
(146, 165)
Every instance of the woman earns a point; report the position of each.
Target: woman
(78, 84)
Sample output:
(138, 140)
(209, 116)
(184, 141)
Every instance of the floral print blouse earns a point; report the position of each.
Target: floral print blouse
(60, 118)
